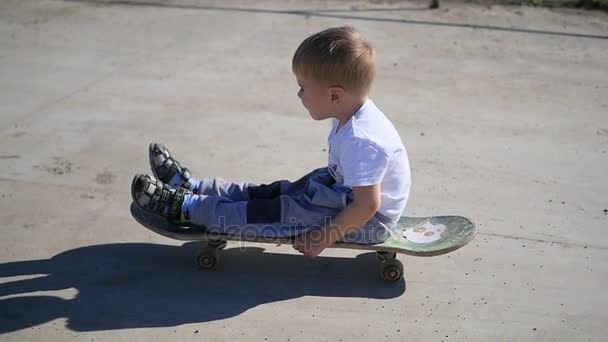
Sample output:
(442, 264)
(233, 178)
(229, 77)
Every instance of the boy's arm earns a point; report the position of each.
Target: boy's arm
(365, 204)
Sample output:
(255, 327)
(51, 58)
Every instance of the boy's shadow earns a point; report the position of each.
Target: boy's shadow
(138, 285)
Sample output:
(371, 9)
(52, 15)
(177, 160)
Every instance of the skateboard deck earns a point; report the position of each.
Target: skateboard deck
(416, 236)
(420, 236)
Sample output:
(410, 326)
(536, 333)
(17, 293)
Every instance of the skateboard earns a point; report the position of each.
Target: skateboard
(417, 236)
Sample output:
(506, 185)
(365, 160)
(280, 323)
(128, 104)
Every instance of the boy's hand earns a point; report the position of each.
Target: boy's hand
(312, 243)
(365, 204)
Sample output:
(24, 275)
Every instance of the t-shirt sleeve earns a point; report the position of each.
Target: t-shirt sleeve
(363, 163)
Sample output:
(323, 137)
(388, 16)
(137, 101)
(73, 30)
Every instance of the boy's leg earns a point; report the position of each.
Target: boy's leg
(247, 191)
(219, 212)
(170, 171)
(313, 205)
(214, 212)
(222, 188)
(219, 203)
(309, 201)
(239, 191)
(159, 198)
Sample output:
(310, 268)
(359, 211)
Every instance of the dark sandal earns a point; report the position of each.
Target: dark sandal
(158, 198)
(164, 167)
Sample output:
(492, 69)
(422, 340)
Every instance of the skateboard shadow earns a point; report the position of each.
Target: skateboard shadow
(137, 285)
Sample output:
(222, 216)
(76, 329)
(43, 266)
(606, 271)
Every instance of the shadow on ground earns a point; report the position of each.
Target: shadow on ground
(147, 285)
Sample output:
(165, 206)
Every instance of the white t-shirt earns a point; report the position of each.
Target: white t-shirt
(367, 150)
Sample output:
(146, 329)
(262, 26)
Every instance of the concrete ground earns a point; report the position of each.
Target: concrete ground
(504, 112)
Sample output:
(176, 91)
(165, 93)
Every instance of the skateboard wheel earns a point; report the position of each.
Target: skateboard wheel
(208, 259)
(392, 270)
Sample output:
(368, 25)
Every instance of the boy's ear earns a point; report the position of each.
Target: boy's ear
(336, 94)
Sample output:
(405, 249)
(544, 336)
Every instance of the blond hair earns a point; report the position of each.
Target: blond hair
(337, 56)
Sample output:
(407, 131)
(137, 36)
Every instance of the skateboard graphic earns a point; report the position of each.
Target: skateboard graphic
(419, 236)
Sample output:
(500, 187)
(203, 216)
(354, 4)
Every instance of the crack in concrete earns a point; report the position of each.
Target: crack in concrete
(315, 13)
(556, 242)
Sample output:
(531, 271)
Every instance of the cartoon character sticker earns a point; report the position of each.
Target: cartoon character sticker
(425, 234)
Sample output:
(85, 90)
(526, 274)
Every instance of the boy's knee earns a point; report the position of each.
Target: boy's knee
(265, 191)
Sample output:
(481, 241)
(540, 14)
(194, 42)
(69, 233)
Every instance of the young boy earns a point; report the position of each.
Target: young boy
(357, 198)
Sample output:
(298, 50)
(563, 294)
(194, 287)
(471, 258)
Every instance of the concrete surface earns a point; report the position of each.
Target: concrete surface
(506, 123)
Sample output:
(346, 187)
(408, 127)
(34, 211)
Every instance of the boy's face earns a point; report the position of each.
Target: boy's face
(315, 97)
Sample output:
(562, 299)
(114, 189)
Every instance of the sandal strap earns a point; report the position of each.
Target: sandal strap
(176, 204)
(185, 174)
(161, 198)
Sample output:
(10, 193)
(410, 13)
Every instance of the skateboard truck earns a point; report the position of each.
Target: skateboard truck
(391, 269)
